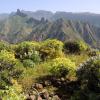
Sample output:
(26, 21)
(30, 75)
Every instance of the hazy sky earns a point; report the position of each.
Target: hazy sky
(51, 5)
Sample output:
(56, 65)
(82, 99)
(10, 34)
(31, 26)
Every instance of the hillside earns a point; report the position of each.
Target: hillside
(66, 30)
(19, 27)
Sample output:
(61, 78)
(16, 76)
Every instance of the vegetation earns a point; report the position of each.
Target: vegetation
(66, 69)
(61, 67)
(89, 77)
(75, 46)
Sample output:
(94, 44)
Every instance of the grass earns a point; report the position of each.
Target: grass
(78, 58)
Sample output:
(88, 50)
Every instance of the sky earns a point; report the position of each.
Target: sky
(7, 6)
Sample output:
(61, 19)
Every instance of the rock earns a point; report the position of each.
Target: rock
(38, 86)
(51, 94)
(32, 97)
(62, 79)
(56, 97)
(0, 98)
(28, 98)
(39, 98)
(45, 94)
(47, 83)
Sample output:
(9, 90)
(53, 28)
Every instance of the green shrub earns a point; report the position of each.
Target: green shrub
(9, 67)
(35, 57)
(89, 78)
(28, 63)
(25, 49)
(5, 46)
(92, 52)
(12, 93)
(62, 67)
(85, 95)
(51, 49)
(90, 73)
(75, 46)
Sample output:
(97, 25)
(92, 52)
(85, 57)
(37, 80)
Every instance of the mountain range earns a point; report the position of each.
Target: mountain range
(40, 25)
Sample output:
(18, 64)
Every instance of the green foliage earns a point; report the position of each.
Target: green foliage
(90, 72)
(5, 46)
(27, 50)
(89, 77)
(28, 63)
(75, 46)
(51, 49)
(9, 67)
(12, 93)
(35, 57)
(93, 52)
(85, 95)
(24, 50)
(83, 45)
(61, 67)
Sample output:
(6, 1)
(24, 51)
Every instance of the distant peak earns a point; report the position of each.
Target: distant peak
(18, 10)
(19, 13)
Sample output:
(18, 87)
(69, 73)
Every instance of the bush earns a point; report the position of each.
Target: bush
(75, 46)
(28, 63)
(35, 57)
(93, 52)
(89, 77)
(90, 73)
(61, 67)
(51, 49)
(12, 93)
(9, 68)
(5, 46)
(24, 50)
(85, 95)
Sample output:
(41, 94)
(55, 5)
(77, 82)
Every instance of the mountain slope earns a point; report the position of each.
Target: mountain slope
(20, 27)
(66, 30)
(84, 17)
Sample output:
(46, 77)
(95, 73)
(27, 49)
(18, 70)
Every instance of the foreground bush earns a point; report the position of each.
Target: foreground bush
(4, 46)
(89, 78)
(28, 63)
(51, 49)
(62, 67)
(89, 73)
(26, 49)
(9, 68)
(12, 93)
